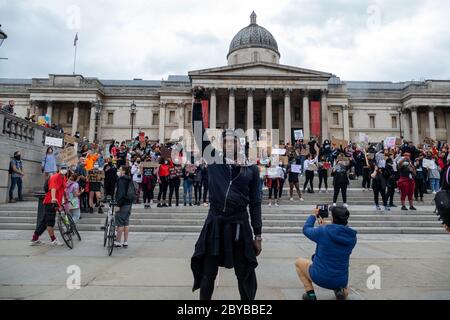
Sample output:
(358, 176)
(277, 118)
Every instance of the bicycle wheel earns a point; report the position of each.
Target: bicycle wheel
(73, 227)
(111, 237)
(105, 232)
(66, 234)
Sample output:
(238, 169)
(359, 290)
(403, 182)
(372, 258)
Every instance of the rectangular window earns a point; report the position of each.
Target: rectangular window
(132, 119)
(335, 119)
(189, 117)
(436, 122)
(372, 122)
(69, 118)
(155, 119)
(172, 117)
(394, 122)
(110, 119)
(350, 121)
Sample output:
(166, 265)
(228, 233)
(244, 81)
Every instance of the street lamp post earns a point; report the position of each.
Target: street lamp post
(133, 108)
(98, 110)
(3, 36)
(399, 110)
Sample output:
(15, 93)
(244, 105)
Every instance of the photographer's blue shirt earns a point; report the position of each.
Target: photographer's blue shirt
(335, 244)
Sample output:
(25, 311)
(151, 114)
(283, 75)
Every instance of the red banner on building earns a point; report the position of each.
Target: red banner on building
(205, 111)
(315, 118)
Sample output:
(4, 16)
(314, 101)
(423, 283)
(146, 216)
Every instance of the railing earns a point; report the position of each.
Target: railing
(23, 130)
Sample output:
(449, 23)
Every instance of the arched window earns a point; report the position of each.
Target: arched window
(255, 56)
(235, 58)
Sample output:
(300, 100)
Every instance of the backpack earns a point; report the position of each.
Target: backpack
(131, 192)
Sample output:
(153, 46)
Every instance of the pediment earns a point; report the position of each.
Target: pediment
(259, 70)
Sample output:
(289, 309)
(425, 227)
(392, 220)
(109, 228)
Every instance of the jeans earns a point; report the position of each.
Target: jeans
(76, 213)
(15, 181)
(434, 184)
(187, 190)
(174, 187)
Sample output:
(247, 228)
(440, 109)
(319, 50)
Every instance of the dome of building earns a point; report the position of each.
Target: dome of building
(253, 36)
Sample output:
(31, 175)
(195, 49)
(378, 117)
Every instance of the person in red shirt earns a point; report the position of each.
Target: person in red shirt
(54, 197)
(163, 179)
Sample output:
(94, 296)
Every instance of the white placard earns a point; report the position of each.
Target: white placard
(429, 164)
(296, 168)
(273, 173)
(298, 134)
(53, 142)
(390, 142)
(280, 152)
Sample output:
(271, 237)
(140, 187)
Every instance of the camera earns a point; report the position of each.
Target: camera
(323, 210)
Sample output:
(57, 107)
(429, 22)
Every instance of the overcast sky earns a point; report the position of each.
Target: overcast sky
(124, 39)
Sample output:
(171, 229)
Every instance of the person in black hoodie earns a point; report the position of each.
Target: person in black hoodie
(226, 239)
(391, 181)
(110, 178)
(124, 204)
(340, 181)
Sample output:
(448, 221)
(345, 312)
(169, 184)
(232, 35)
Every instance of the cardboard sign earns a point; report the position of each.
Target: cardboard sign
(53, 142)
(69, 156)
(285, 160)
(150, 165)
(390, 142)
(398, 142)
(429, 141)
(298, 134)
(96, 176)
(296, 168)
(69, 139)
(339, 142)
(280, 152)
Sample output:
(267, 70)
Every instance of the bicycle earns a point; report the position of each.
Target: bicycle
(73, 226)
(64, 226)
(110, 228)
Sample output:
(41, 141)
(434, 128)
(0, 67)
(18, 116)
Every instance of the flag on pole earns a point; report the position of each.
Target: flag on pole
(76, 40)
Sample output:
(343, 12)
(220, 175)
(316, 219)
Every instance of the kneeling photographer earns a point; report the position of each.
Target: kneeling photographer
(335, 242)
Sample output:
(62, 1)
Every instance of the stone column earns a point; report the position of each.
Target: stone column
(213, 110)
(306, 120)
(415, 126)
(406, 128)
(431, 122)
(34, 108)
(287, 116)
(180, 116)
(269, 125)
(324, 112)
(76, 112)
(162, 122)
(250, 114)
(92, 123)
(50, 110)
(346, 123)
(231, 109)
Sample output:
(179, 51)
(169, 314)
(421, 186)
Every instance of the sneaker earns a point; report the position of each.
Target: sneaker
(270, 204)
(190, 204)
(91, 210)
(378, 208)
(205, 204)
(185, 204)
(412, 208)
(159, 205)
(302, 200)
(291, 199)
(56, 243)
(276, 204)
(404, 208)
(100, 210)
(309, 297)
(334, 205)
(387, 208)
(345, 205)
(392, 206)
(125, 245)
(421, 199)
(37, 243)
(165, 205)
(340, 294)
(434, 192)
(117, 244)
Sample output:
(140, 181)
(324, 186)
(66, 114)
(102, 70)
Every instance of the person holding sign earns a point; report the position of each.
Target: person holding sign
(49, 163)
(293, 172)
(406, 183)
(310, 167)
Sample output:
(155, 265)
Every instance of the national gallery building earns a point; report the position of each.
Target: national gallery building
(253, 91)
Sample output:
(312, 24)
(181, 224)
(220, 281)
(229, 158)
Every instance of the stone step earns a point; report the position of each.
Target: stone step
(267, 230)
(267, 222)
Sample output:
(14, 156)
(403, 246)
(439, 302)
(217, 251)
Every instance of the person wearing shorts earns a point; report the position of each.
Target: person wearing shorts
(123, 207)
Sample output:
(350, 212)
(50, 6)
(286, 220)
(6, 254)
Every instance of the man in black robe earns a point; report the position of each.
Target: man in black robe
(227, 239)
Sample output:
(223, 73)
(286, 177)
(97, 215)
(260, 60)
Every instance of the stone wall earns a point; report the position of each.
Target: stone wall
(17, 134)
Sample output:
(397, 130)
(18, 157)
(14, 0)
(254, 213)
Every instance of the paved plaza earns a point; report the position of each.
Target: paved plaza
(157, 266)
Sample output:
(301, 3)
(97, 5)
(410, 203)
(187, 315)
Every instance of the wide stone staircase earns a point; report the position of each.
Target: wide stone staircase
(288, 218)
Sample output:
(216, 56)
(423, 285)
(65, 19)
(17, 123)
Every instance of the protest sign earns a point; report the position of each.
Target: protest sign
(53, 142)
(274, 172)
(69, 139)
(142, 139)
(298, 134)
(150, 165)
(296, 168)
(69, 156)
(390, 142)
(429, 141)
(96, 175)
(279, 151)
(398, 142)
(429, 164)
(284, 160)
(336, 143)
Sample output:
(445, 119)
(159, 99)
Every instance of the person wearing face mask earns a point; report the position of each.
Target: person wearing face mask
(148, 184)
(72, 195)
(95, 188)
(163, 180)
(17, 173)
(406, 183)
(283, 176)
(49, 163)
(54, 198)
(136, 172)
(110, 178)
(175, 174)
(125, 196)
